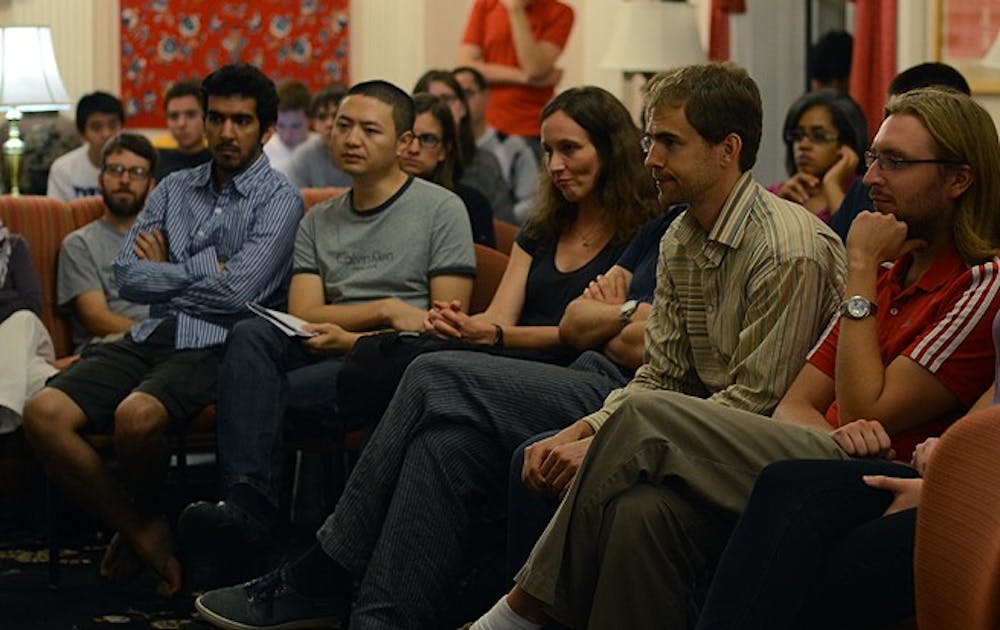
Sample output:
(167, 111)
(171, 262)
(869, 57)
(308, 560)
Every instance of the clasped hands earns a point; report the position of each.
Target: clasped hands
(448, 320)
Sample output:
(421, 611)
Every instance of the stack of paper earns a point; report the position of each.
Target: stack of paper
(288, 324)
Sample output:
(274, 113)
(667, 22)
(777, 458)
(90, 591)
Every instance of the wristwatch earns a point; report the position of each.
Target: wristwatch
(857, 307)
(626, 311)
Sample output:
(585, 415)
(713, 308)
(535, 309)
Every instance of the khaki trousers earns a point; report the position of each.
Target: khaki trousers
(635, 541)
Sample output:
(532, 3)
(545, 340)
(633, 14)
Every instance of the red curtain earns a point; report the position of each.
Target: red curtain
(873, 62)
(718, 34)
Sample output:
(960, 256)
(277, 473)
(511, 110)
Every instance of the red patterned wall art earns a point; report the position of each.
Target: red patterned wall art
(163, 41)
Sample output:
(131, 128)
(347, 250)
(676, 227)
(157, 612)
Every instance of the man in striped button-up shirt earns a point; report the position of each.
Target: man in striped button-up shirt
(210, 239)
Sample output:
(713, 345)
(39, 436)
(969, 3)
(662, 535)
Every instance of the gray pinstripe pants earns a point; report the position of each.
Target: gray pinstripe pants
(441, 450)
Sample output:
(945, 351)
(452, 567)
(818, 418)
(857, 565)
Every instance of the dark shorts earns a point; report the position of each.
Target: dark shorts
(184, 381)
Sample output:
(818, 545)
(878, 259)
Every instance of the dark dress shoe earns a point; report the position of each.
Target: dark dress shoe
(203, 523)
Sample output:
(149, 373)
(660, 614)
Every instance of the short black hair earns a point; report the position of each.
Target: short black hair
(134, 142)
(930, 74)
(330, 95)
(98, 103)
(477, 76)
(243, 79)
(830, 56)
(188, 87)
(395, 98)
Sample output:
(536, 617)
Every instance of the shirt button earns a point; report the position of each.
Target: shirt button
(894, 311)
(218, 211)
(201, 232)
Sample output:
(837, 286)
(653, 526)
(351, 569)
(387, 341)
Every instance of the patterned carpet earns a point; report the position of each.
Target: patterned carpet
(82, 600)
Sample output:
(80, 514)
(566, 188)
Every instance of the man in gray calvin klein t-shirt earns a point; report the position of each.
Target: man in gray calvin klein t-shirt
(85, 283)
(371, 259)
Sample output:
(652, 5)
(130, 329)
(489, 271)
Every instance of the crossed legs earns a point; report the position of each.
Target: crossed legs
(52, 424)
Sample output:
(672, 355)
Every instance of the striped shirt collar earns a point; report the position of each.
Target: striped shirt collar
(728, 227)
(727, 231)
(245, 182)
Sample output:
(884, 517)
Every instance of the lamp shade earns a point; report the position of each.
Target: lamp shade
(653, 36)
(29, 75)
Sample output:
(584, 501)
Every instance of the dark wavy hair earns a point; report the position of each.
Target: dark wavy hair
(245, 80)
(449, 170)
(848, 119)
(624, 186)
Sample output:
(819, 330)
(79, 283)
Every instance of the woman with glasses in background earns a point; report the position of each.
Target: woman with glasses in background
(434, 155)
(480, 168)
(825, 135)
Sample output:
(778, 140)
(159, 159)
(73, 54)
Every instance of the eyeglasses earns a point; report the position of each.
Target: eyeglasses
(117, 170)
(893, 163)
(427, 140)
(816, 136)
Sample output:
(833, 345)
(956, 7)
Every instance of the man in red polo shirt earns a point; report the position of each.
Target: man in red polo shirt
(515, 45)
(668, 474)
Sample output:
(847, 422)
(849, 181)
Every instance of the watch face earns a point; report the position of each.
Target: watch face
(858, 308)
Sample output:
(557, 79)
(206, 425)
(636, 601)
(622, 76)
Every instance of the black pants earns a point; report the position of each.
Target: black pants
(812, 550)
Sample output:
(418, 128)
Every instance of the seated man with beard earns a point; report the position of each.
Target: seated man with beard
(86, 284)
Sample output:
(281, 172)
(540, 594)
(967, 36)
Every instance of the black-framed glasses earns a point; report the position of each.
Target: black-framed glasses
(427, 140)
(893, 163)
(816, 136)
(117, 170)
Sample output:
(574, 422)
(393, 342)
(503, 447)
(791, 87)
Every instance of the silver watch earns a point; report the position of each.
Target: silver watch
(857, 307)
(626, 311)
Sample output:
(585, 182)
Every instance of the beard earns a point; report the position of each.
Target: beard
(123, 209)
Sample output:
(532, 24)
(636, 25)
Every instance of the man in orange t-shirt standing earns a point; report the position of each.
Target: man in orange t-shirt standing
(515, 44)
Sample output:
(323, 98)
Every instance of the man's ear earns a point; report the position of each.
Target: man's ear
(403, 141)
(958, 180)
(266, 135)
(731, 148)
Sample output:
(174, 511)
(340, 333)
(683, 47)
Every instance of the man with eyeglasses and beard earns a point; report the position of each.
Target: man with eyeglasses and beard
(209, 240)
(86, 282)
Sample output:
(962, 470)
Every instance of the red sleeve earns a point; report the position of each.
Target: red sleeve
(823, 356)
(558, 26)
(958, 346)
(475, 30)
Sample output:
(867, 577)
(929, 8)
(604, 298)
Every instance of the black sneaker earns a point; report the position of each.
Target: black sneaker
(269, 602)
(204, 524)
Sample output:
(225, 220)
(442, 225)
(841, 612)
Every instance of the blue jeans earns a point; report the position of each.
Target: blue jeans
(264, 376)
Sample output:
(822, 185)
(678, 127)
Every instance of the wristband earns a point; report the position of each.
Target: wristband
(498, 340)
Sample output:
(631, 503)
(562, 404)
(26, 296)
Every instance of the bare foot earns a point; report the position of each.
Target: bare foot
(120, 564)
(155, 547)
